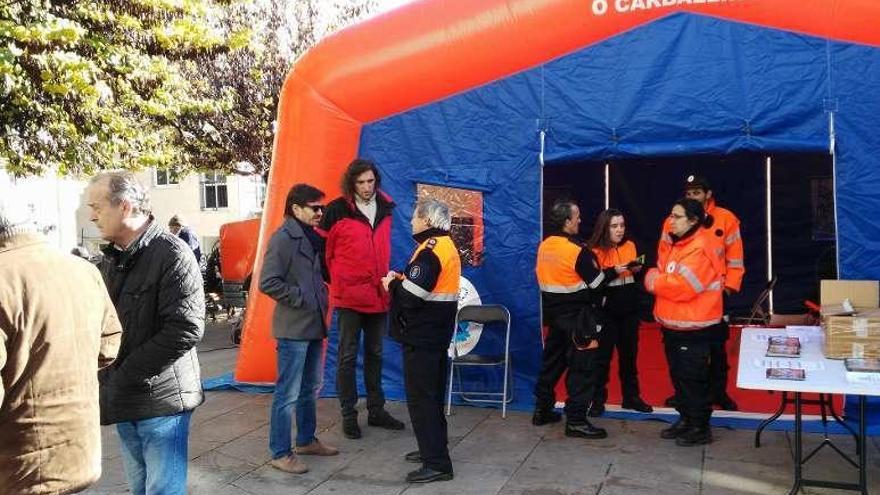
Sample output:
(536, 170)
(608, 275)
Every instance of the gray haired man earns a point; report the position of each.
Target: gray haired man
(155, 284)
(424, 301)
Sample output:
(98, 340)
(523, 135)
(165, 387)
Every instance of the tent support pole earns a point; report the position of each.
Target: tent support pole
(768, 167)
(832, 145)
(543, 137)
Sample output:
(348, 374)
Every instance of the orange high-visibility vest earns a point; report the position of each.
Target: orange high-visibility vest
(726, 239)
(446, 288)
(557, 259)
(687, 284)
(620, 255)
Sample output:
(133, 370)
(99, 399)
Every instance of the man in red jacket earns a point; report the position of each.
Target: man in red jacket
(358, 230)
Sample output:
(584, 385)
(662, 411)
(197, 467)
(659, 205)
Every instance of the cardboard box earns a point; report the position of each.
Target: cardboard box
(851, 334)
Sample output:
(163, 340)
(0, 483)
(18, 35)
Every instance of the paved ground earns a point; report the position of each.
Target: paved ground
(491, 455)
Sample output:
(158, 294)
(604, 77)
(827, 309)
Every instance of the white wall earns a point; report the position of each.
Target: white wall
(185, 199)
(52, 203)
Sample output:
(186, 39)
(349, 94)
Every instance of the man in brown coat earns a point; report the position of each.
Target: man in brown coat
(57, 328)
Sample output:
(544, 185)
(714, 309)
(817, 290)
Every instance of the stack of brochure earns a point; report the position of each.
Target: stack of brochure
(778, 346)
(862, 370)
(784, 347)
(786, 374)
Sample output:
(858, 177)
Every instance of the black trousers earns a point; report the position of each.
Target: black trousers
(350, 324)
(560, 354)
(620, 332)
(689, 356)
(425, 373)
(719, 368)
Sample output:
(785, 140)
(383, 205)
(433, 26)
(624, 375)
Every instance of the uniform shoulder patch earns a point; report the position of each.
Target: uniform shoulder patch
(414, 272)
(431, 243)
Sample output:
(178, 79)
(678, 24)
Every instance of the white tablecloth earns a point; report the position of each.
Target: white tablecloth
(827, 376)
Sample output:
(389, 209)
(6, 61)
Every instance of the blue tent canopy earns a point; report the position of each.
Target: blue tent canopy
(683, 85)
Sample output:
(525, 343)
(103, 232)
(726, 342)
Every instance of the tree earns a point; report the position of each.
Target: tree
(98, 84)
(252, 78)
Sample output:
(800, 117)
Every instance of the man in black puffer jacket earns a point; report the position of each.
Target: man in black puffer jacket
(154, 281)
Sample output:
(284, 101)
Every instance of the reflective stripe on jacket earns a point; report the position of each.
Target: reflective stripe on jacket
(568, 275)
(726, 238)
(446, 288)
(556, 267)
(424, 299)
(620, 255)
(687, 284)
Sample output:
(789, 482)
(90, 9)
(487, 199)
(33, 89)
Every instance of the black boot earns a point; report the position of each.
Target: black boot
(675, 430)
(584, 430)
(696, 435)
(671, 402)
(726, 403)
(637, 404)
(596, 410)
(545, 416)
(383, 419)
(427, 475)
(350, 427)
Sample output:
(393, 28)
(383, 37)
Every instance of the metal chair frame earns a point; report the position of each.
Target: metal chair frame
(758, 315)
(484, 314)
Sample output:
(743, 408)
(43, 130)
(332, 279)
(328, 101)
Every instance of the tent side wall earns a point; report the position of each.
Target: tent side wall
(596, 104)
(430, 50)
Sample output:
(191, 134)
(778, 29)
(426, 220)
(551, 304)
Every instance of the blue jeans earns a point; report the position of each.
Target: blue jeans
(154, 454)
(300, 379)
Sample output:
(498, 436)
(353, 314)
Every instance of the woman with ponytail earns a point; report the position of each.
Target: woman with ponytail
(687, 285)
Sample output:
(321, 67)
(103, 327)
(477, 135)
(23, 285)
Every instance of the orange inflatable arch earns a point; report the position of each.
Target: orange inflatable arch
(431, 49)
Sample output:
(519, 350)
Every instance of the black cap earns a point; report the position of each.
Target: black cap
(694, 181)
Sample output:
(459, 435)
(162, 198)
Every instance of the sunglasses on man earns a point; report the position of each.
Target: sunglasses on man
(315, 208)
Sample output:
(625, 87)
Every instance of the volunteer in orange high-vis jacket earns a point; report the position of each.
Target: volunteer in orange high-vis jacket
(424, 301)
(571, 284)
(621, 311)
(725, 233)
(687, 285)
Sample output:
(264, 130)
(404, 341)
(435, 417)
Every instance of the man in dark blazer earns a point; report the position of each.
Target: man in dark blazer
(292, 275)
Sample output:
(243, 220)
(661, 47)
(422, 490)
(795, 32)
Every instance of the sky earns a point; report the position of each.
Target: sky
(386, 5)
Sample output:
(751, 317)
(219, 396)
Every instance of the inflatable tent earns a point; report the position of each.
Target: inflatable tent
(483, 97)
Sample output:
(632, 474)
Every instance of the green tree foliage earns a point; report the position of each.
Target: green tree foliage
(281, 30)
(184, 84)
(97, 84)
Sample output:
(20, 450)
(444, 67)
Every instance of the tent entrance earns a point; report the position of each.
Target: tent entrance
(798, 247)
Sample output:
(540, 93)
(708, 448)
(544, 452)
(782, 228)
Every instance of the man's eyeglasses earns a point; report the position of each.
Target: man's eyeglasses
(315, 208)
(676, 217)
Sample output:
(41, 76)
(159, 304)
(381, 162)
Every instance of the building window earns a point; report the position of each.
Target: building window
(214, 195)
(166, 177)
(466, 208)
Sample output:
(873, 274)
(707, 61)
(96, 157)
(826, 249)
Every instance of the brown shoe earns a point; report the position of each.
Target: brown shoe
(316, 448)
(289, 464)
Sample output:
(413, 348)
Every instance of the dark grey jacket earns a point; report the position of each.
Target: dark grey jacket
(291, 275)
(156, 287)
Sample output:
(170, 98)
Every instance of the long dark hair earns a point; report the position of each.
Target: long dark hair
(355, 169)
(601, 237)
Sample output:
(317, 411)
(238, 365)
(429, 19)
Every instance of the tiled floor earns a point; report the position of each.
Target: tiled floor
(491, 455)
